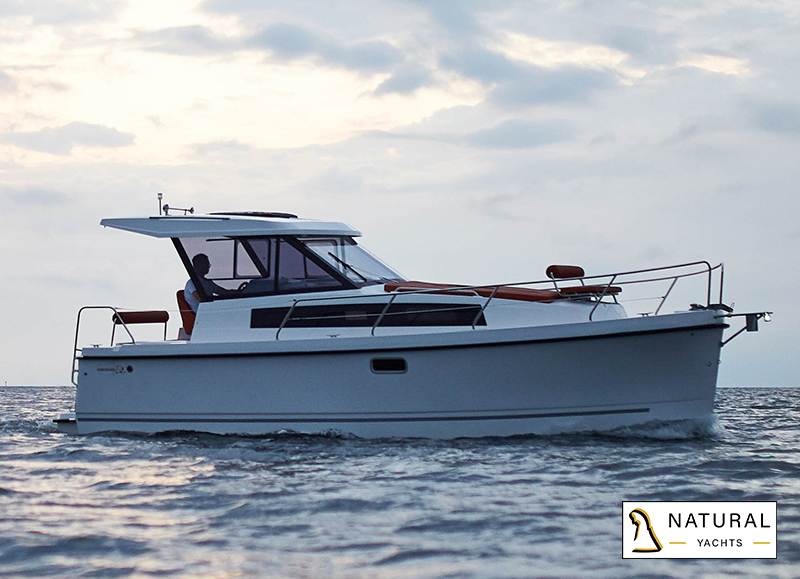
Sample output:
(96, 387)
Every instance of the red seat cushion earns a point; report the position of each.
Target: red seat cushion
(574, 290)
(504, 293)
(143, 317)
(564, 271)
(187, 315)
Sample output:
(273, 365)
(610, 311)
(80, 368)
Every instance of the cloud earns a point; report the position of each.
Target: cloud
(454, 16)
(515, 83)
(33, 195)
(481, 64)
(519, 134)
(782, 118)
(509, 135)
(284, 42)
(406, 80)
(61, 140)
(185, 40)
(62, 11)
(289, 42)
(643, 45)
(545, 85)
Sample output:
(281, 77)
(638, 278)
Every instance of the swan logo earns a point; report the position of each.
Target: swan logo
(646, 542)
(699, 530)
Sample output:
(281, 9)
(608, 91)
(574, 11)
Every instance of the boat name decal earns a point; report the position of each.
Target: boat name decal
(116, 369)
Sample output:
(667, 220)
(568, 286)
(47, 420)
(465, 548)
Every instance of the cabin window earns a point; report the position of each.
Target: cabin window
(365, 315)
(249, 266)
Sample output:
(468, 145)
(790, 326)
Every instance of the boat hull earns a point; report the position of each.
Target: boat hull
(571, 378)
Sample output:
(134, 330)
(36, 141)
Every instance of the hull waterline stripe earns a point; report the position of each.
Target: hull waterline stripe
(386, 419)
(172, 356)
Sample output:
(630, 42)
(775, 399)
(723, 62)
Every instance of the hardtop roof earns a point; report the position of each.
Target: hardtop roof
(228, 225)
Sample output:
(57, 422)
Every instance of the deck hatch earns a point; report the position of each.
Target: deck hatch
(365, 315)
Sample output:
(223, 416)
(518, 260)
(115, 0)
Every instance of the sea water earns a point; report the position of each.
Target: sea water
(197, 505)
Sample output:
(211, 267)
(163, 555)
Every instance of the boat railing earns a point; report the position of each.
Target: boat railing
(119, 317)
(608, 287)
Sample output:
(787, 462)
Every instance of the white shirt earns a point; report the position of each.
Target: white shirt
(188, 293)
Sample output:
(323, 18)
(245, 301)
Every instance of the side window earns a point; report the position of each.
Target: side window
(292, 264)
(297, 272)
(245, 266)
(219, 253)
(264, 249)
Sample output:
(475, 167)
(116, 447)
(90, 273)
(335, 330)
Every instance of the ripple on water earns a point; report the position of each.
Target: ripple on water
(186, 504)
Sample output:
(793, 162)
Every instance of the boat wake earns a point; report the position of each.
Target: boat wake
(695, 429)
(700, 428)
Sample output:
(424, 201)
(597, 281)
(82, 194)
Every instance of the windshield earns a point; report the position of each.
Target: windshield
(249, 266)
(351, 260)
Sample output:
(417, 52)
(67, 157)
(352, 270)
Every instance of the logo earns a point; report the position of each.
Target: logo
(636, 516)
(699, 530)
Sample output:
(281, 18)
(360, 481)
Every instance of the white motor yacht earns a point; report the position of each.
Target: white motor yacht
(299, 328)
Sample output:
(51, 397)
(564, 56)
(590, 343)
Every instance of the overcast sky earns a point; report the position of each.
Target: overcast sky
(471, 142)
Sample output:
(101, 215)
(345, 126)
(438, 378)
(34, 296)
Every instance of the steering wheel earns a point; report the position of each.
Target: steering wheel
(243, 285)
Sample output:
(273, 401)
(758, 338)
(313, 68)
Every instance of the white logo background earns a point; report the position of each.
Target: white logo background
(756, 540)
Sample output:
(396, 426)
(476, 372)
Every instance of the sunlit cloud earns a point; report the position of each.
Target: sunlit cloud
(718, 64)
(555, 54)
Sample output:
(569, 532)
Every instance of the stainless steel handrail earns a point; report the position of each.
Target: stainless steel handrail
(383, 313)
(708, 270)
(483, 308)
(75, 348)
(286, 319)
(600, 299)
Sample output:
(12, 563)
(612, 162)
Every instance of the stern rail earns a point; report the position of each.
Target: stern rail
(118, 318)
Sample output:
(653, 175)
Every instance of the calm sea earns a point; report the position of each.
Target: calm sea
(193, 505)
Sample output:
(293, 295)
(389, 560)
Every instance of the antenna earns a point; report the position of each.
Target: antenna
(166, 208)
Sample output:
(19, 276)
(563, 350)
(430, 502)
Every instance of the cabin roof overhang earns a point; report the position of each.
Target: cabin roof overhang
(226, 226)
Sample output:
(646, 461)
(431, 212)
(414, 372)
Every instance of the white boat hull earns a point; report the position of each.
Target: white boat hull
(566, 378)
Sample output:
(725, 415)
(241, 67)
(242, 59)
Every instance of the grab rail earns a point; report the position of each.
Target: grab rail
(600, 299)
(76, 350)
(119, 318)
(707, 269)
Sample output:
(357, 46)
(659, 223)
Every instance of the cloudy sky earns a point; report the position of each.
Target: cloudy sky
(470, 141)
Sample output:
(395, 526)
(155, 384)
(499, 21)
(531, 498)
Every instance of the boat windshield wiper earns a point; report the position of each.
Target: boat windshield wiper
(348, 266)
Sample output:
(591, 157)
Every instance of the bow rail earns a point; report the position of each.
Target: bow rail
(570, 288)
